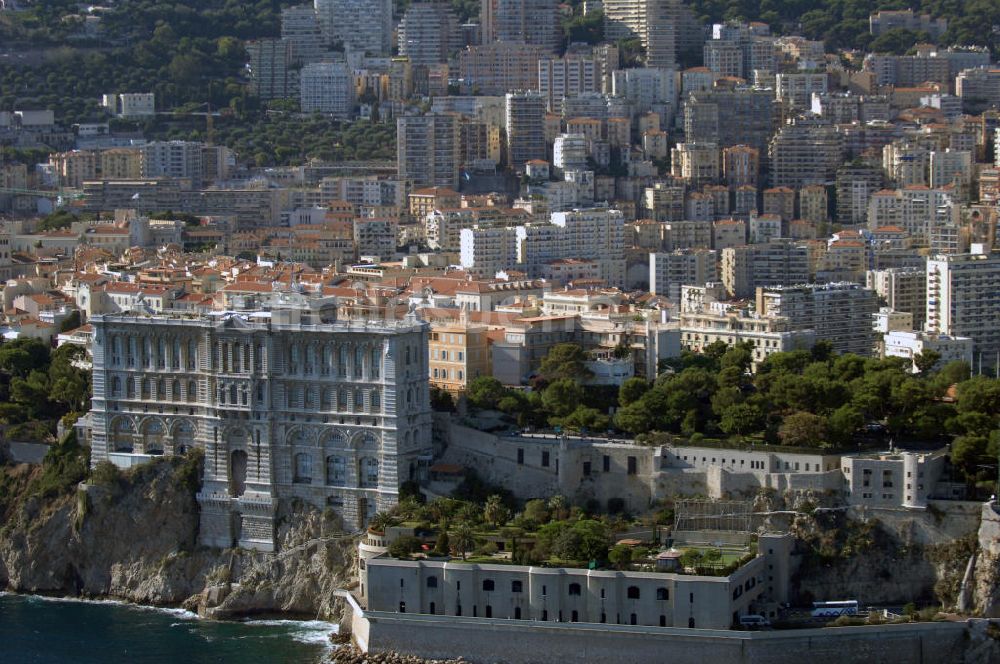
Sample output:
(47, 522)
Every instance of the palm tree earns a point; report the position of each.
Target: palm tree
(495, 512)
(464, 539)
(381, 521)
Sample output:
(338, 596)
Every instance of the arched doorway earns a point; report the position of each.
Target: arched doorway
(237, 473)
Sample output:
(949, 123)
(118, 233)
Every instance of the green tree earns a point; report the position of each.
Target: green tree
(584, 417)
(620, 556)
(495, 512)
(464, 539)
(536, 511)
(741, 419)
(485, 392)
(561, 397)
(632, 390)
(844, 422)
(967, 452)
(803, 429)
(926, 360)
(564, 361)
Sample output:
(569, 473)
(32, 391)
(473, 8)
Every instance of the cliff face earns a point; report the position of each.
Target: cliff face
(889, 559)
(135, 538)
(987, 571)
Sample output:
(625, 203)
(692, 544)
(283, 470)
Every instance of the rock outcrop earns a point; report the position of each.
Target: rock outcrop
(987, 573)
(134, 537)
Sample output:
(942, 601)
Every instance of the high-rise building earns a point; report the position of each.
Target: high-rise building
(497, 68)
(568, 76)
(532, 22)
(654, 22)
(962, 300)
(840, 313)
(525, 124)
(364, 26)
(429, 33)
(696, 163)
(327, 87)
(855, 185)
(270, 74)
(902, 289)
(669, 271)
(805, 152)
(287, 405)
(781, 263)
(727, 117)
(428, 149)
(301, 30)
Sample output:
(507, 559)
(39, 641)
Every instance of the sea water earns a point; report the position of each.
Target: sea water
(42, 630)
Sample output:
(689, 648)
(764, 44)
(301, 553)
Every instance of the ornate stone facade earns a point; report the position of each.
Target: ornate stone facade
(287, 404)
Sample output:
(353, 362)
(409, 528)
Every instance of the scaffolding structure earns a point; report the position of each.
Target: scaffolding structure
(717, 515)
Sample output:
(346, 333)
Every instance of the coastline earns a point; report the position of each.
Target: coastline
(308, 631)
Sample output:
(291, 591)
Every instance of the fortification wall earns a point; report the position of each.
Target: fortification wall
(513, 642)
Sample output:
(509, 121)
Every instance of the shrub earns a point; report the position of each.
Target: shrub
(105, 474)
(404, 546)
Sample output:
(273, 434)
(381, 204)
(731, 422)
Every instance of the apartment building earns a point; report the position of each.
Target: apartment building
(569, 76)
(670, 271)
(654, 22)
(429, 33)
(497, 68)
(902, 289)
(328, 88)
(805, 152)
(458, 353)
(962, 299)
(836, 312)
(525, 125)
(744, 269)
(427, 149)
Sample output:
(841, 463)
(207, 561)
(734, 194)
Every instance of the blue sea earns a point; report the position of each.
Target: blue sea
(42, 630)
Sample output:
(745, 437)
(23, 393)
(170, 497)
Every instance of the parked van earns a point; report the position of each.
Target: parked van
(751, 621)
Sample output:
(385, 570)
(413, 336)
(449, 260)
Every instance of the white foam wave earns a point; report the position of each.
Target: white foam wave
(303, 631)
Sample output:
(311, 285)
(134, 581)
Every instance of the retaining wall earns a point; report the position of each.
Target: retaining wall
(485, 641)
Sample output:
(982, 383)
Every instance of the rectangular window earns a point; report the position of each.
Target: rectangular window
(520, 455)
(607, 463)
(545, 459)
(586, 468)
(632, 465)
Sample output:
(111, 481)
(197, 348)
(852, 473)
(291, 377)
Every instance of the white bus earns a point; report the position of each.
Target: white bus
(835, 609)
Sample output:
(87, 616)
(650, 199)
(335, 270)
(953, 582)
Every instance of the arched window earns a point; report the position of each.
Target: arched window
(152, 437)
(146, 388)
(116, 386)
(432, 582)
(192, 355)
(175, 390)
(574, 589)
(633, 592)
(375, 364)
(359, 401)
(662, 594)
(342, 361)
(516, 586)
(342, 400)
(129, 387)
(183, 437)
(232, 394)
(303, 468)
(161, 389)
(368, 472)
(488, 585)
(192, 394)
(359, 361)
(375, 401)
(336, 470)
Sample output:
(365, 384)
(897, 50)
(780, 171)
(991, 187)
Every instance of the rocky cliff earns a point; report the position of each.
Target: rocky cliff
(133, 536)
(987, 570)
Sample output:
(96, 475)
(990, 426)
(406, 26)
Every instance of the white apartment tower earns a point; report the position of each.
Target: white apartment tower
(327, 87)
(962, 300)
